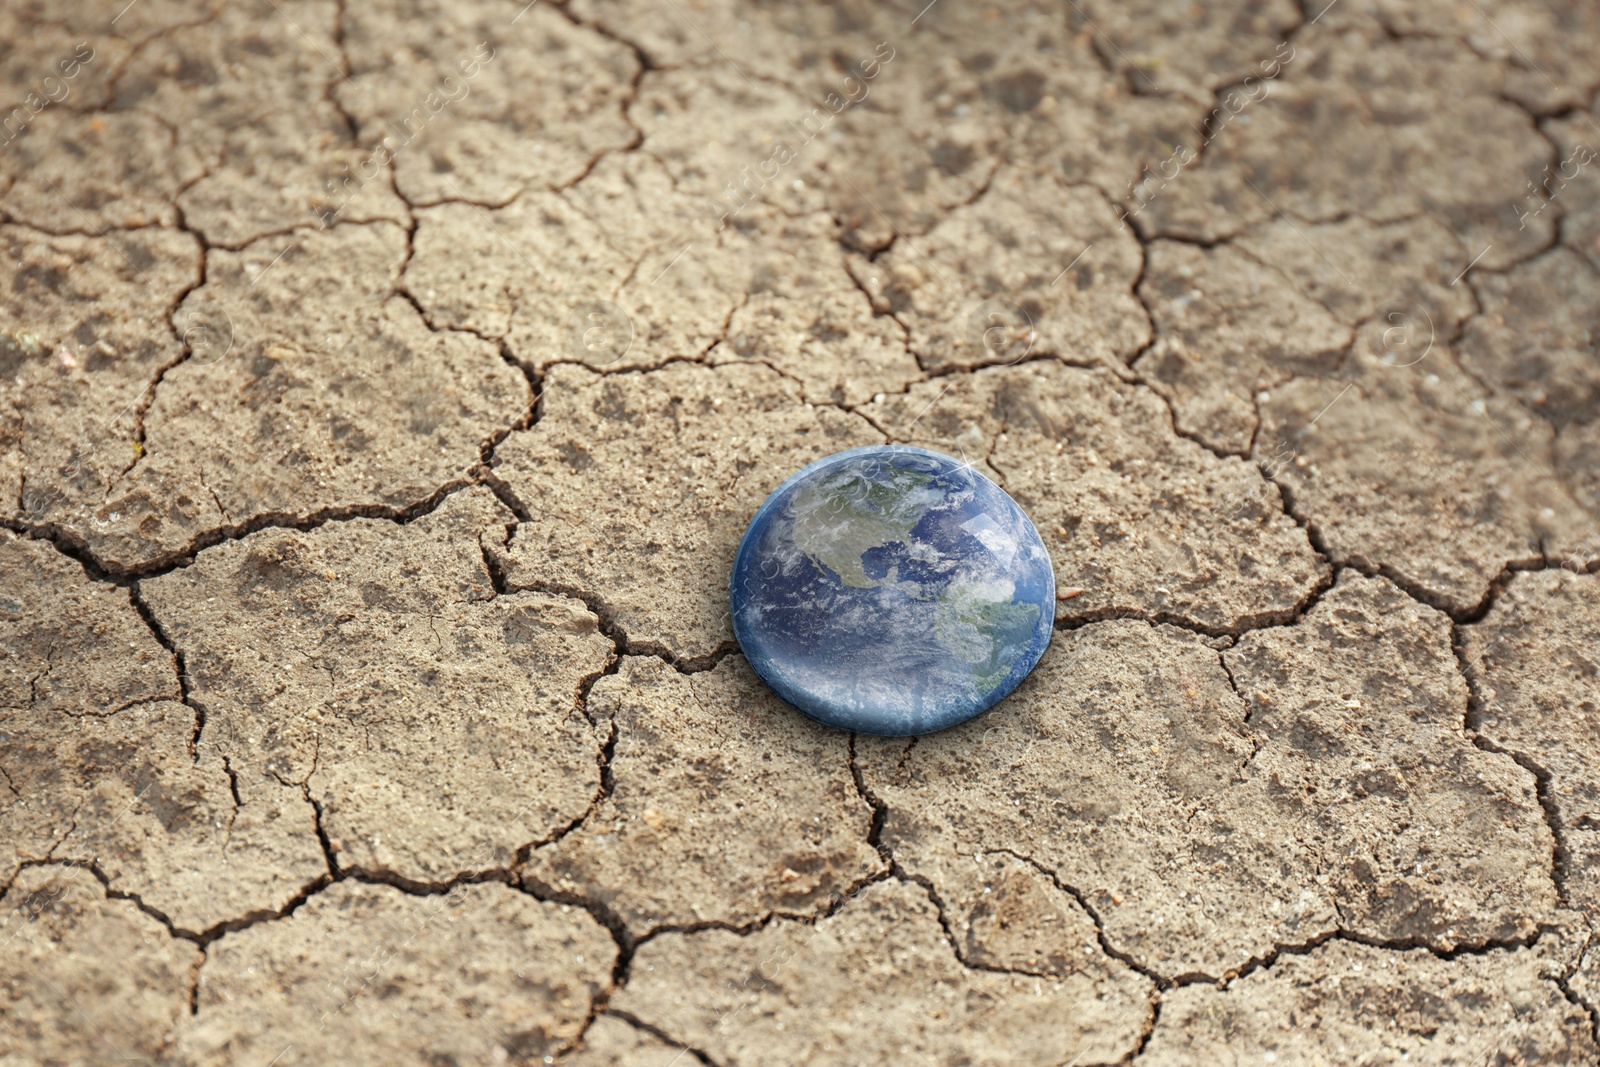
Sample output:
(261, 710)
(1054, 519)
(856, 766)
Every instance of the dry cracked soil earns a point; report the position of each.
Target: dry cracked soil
(385, 385)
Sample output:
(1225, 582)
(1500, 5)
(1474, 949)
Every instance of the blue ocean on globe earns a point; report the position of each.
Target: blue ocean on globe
(891, 590)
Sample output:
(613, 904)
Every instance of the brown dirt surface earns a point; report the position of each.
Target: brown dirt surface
(385, 386)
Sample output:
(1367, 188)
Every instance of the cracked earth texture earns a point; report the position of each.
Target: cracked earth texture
(384, 388)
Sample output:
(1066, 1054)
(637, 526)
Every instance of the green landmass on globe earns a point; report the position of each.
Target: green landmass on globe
(838, 520)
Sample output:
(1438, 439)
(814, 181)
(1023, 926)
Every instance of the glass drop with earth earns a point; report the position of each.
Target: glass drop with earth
(891, 590)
